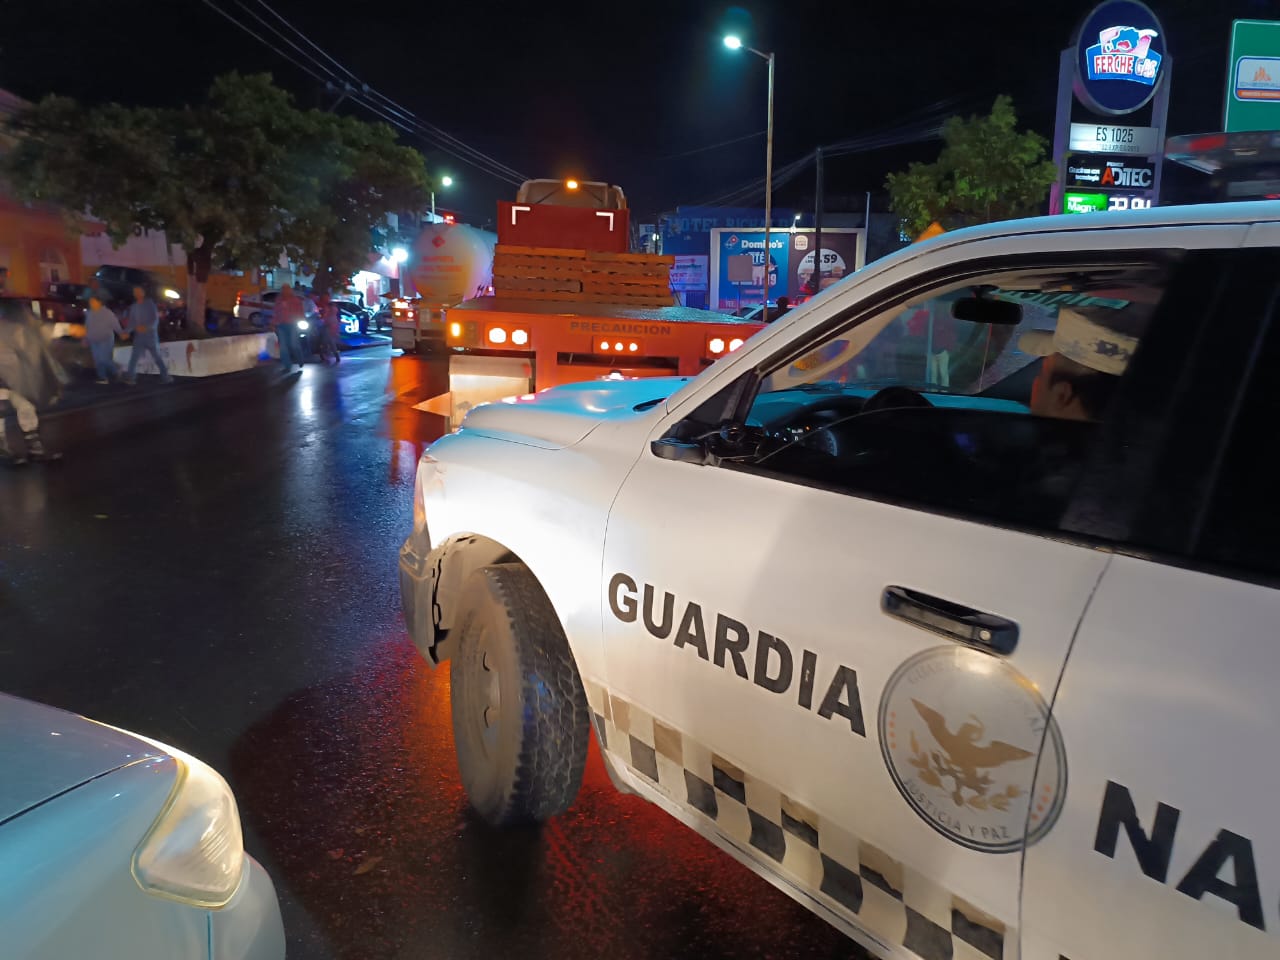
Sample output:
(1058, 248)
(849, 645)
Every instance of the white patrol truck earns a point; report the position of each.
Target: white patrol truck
(947, 604)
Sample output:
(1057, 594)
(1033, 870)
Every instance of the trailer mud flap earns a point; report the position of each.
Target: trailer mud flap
(477, 380)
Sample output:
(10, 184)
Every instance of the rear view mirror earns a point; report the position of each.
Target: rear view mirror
(999, 313)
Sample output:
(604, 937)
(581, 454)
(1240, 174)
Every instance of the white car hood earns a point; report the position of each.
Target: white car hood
(45, 752)
(561, 416)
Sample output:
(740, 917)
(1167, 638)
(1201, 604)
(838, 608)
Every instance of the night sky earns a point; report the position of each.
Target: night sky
(618, 91)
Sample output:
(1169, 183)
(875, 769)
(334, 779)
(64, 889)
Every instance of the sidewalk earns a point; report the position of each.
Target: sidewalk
(88, 411)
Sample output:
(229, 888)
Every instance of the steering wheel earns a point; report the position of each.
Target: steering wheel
(895, 396)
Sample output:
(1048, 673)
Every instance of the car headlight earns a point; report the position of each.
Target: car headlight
(303, 325)
(194, 852)
(172, 294)
(419, 506)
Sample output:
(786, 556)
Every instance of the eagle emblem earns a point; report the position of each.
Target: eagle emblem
(963, 759)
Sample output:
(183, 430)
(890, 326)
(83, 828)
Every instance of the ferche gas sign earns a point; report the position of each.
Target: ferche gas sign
(1120, 53)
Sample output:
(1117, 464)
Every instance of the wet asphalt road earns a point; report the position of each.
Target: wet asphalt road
(227, 583)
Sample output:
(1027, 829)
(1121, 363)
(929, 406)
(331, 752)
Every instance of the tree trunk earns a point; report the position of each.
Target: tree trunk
(199, 265)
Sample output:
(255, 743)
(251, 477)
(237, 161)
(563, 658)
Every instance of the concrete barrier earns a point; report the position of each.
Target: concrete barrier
(206, 358)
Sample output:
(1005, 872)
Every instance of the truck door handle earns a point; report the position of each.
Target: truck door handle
(950, 620)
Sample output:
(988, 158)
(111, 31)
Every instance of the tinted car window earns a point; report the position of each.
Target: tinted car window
(1241, 527)
(924, 406)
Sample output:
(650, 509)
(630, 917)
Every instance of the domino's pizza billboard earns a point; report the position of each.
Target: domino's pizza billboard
(728, 292)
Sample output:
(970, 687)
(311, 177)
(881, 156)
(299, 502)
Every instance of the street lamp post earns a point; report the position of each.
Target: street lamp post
(446, 181)
(735, 43)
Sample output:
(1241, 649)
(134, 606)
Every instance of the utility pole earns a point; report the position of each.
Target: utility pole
(817, 226)
(768, 188)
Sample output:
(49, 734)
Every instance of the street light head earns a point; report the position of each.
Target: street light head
(733, 42)
(446, 181)
(571, 184)
(399, 254)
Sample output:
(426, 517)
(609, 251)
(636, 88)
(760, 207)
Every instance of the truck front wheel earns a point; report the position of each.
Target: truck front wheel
(520, 716)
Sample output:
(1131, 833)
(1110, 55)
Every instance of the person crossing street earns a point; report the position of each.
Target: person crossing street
(101, 327)
(143, 319)
(285, 315)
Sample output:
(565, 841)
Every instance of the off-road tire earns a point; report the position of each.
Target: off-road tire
(521, 723)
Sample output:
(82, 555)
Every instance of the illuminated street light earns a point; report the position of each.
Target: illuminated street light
(445, 181)
(399, 254)
(571, 184)
(734, 42)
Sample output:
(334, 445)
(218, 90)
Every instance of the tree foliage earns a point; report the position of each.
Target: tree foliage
(986, 171)
(245, 176)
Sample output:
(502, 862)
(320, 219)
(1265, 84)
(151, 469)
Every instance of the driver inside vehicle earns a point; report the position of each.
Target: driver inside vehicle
(1084, 358)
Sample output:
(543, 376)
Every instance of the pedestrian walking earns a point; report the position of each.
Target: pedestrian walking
(101, 326)
(329, 329)
(286, 313)
(28, 376)
(144, 327)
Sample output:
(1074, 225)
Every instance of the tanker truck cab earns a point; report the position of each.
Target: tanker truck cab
(946, 603)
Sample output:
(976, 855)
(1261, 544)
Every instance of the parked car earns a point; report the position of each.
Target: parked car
(352, 317)
(118, 847)
(255, 306)
(947, 603)
(120, 281)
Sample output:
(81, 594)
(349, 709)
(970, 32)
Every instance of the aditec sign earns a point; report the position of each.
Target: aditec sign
(1120, 54)
(1107, 173)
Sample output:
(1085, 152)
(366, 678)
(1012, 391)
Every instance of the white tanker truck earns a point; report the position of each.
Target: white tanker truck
(449, 263)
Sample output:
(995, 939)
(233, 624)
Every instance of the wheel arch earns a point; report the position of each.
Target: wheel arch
(454, 561)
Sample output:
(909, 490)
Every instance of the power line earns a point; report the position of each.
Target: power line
(316, 46)
(713, 146)
(213, 6)
(361, 94)
(469, 155)
(472, 155)
(928, 128)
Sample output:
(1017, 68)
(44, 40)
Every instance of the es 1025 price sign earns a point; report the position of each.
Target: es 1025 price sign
(1111, 138)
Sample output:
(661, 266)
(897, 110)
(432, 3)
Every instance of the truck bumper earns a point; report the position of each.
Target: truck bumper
(415, 338)
(418, 567)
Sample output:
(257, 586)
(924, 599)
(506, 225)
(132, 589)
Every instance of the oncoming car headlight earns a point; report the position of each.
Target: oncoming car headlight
(303, 325)
(194, 851)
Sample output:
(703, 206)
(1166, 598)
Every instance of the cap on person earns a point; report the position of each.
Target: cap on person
(1087, 336)
(1085, 355)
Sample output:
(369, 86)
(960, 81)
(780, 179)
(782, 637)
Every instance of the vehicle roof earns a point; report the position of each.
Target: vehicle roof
(1201, 214)
(575, 308)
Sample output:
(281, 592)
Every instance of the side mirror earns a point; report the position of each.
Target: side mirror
(682, 451)
(999, 313)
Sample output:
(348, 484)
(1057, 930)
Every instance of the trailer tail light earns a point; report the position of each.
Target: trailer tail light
(619, 346)
(497, 335)
(519, 337)
(719, 346)
(464, 334)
